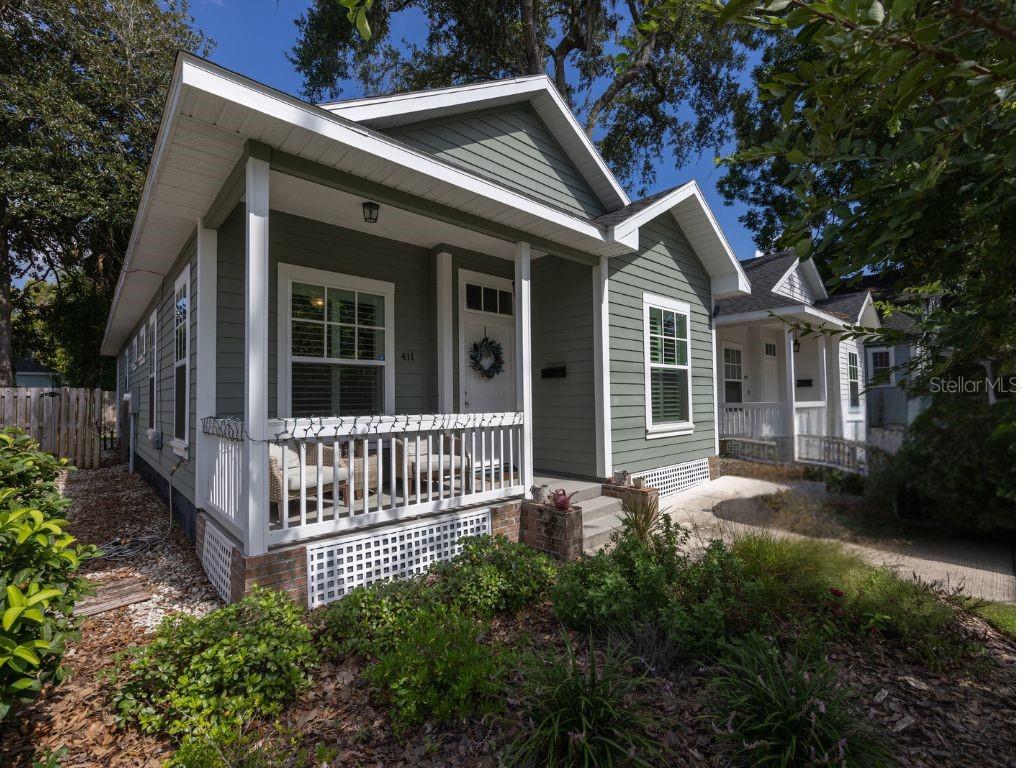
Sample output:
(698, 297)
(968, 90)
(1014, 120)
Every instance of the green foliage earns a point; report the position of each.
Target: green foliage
(640, 516)
(369, 620)
(438, 667)
(592, 593)
(788, 709)
(582, 714)
(492, 575)
(1002, 616)
(38, 560)
(241, 661)
(245, 747)
(955, 468)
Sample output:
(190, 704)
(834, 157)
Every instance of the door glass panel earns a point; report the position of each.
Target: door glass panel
(474, 297)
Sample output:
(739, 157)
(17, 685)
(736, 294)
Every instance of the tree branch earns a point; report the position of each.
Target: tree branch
(534, 60)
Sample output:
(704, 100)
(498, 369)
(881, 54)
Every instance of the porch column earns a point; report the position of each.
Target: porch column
(824, 379)
(257, 299)
(602, 371)
(789, 397)
(445, 348)
(206, 353)
(524, 358)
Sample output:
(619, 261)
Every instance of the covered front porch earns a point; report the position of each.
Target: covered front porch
(384, 365)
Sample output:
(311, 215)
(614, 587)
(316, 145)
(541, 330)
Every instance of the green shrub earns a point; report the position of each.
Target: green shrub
(245, 747)
(593, 594)
(369, 620)
(582, 714)
(787, 709)
(640, 516)
(241, 661)
(438, 667)
(38, 560)
(492, 575)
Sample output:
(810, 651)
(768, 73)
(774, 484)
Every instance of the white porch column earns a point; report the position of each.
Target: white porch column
(602, 371)
(206, 354)
(714, 372)
(789, 396)
(445, 337)
(524, 358)
(824, 380)
(257, 265)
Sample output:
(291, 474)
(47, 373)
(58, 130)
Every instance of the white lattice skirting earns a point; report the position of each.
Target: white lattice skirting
(337, 567)
(217, 560)
(677, 477)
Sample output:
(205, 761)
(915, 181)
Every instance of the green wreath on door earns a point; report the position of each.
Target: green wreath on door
(484, 350)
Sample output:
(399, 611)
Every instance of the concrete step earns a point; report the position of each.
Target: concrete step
(598, 507)
(598, 531)
(585, 490)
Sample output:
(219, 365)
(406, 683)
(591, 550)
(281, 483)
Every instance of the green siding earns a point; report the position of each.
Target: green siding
(230, 399)
(511, 146)
(664, 265)
(164, 460)
(564, 427)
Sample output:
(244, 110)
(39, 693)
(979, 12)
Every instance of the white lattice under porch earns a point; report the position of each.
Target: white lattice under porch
(677, 477)
(217, 550)
(338, 566)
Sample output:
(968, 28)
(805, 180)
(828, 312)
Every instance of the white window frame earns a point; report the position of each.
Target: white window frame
(870, 362)
(143, 340)
(670, 429)
(133, 357)
(850, 382)
(154, 373)
(725, 379)
(179, 445)
(293, 273)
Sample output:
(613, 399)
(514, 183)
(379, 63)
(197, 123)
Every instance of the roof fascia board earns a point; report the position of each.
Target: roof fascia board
(869, 304)
(250, 94)
(310, 170)
(812, 269)
(778, 312)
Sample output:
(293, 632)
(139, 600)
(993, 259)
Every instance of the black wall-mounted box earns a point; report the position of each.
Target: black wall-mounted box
(553, 373)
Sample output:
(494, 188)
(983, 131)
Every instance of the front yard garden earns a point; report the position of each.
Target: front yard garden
(761, 652)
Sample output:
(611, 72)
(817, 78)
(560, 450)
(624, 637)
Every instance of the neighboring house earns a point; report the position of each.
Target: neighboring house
(774, 384)
(29, 373)
(398, 311)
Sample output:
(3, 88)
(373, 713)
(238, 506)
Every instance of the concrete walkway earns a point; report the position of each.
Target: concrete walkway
(986, 572)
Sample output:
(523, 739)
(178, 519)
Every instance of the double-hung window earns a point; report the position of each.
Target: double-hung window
(853, 373)
(338, 345)
(667, 365)
(881, 368)
(732, 373)
(151, 334)
(180, 336)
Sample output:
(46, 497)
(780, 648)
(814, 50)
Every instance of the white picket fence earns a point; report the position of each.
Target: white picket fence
(79, 424)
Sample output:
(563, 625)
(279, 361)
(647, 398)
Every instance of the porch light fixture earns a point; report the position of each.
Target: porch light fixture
(796, 345)
(370, 212)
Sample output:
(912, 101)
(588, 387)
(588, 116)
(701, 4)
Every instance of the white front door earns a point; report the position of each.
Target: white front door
(487, 309)
(770, 372)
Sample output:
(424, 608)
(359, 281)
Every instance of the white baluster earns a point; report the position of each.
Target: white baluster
(336, 466)
(351, 476)
(380, 473)
(394, 489)
(319, 482)
(366, 475)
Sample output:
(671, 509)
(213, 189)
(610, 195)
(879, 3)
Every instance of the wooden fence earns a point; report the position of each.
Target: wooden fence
(79, 424)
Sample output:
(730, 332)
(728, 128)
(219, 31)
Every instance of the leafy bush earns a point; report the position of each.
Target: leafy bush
(246, 747)
(369, 620)
(438, 667)
(38, 560)
(787, 709)
(493, 575)
(241, 661)
(592, 593)
(582, 714)
(640, 515)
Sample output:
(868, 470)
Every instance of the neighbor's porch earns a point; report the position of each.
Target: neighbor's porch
(351, 403)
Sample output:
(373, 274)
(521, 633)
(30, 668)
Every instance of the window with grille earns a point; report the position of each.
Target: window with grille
(667, 360)
(853, 369)
(337, 346)
(180, 337)
(881, 367)
(483, 298)
(732, 363)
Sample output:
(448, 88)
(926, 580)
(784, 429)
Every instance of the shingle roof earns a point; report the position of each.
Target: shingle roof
(28, 365)
(617, 217)
(764, 273)
(845, 306)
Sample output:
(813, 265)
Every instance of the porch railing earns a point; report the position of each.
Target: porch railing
(753, 420)
(830, 451)
(811, 418)
(337, 474)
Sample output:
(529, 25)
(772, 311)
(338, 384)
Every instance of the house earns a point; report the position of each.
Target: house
(803, 393)
(30, 373)
(349, 333)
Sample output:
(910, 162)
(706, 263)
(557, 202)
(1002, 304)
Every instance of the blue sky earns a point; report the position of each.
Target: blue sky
(253, 36)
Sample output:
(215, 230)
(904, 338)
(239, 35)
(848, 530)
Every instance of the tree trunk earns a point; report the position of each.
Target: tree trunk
(6, 352)
(534, 60)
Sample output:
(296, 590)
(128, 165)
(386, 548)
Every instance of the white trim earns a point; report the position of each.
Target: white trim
(257, 268)
(869, 365)
(789, 391)
(154, 369)
(851, 409)
(445, 333)
(602, 369)
(489, 281)
(524, 357)
(184, 280)
(868, 302)
(289, 273)
(206, 354)
(765, 340)
(408, 107)
(774, 314)
(671, 429)
(714, 372)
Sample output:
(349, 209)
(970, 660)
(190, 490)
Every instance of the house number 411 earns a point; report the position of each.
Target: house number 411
(410, 356)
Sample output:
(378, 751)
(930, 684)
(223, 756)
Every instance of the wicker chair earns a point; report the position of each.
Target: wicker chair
(409, 458)
(346, 469)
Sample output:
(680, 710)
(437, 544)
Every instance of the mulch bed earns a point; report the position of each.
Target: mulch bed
(931, 719)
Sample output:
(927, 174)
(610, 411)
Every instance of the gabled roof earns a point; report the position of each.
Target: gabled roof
(31, 365)
(415, 106)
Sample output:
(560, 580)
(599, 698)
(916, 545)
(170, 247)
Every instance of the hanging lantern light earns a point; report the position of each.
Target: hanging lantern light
(370, 212)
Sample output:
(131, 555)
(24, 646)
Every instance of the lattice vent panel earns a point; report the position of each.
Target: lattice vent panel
(217, 550)
(337, 567)
(677, 477)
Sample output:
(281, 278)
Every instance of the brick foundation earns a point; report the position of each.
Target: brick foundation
(623, 492)
(505, 520)
(551, 530)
